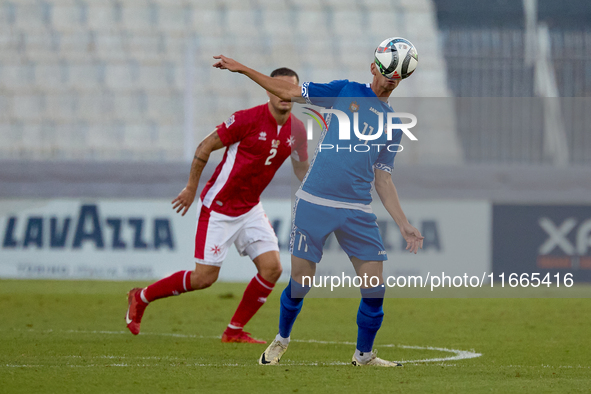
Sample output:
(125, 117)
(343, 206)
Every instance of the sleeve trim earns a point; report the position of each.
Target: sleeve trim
(295, 155)
(383, 167)
(306, 93)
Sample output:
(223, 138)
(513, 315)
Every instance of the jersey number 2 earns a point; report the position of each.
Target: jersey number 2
(273, 152)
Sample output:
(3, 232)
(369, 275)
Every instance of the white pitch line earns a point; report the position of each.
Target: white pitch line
(284, 364)
(457, 354)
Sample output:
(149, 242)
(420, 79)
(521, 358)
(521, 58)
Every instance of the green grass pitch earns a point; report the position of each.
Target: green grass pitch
(70, 337)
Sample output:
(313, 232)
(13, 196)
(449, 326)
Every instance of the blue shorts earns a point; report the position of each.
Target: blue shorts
(356, 231)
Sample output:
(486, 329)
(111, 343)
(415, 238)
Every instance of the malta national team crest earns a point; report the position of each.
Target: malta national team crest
(216, 250)
(354, 107)
(275, 143)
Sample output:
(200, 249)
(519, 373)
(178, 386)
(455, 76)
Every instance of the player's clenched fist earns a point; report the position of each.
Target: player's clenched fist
(184, 200)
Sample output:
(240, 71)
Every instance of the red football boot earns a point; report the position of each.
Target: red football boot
(136, 309)
(241, 337)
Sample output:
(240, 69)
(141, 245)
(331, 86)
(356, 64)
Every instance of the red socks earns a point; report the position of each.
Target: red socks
(254, 297)
(175, 284)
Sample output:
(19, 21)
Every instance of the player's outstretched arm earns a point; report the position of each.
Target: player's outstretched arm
(187, 195)
(280, 88)
(389, 196)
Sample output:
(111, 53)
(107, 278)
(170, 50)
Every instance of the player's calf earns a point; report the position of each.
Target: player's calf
(204, 276)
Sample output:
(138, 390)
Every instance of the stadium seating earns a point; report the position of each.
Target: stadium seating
(106, 80)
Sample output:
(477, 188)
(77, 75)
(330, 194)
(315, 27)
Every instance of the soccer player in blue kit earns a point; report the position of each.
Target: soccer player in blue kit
(335, 196)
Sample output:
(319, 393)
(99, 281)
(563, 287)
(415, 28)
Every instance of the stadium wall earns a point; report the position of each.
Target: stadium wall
(121, 225)
(95, 238)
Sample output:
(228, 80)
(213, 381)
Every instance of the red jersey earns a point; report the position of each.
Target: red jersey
(255, 149)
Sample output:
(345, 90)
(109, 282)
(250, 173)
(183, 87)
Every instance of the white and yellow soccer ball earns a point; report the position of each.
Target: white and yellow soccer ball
(396, 58)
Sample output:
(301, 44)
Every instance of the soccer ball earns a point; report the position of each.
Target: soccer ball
(396, 58)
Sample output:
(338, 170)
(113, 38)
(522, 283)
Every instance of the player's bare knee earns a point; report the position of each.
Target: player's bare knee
(272, 272)
(202, 283)
(202, 280)
(276, 272)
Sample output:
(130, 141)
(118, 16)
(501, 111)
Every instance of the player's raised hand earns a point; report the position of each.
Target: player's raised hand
(184, 200)
(225, 63)
(413, 238)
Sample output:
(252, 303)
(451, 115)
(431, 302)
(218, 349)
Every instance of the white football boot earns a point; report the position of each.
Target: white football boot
(375, 361)
(272, 355)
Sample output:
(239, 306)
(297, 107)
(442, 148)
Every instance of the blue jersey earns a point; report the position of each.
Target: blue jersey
(341, 174)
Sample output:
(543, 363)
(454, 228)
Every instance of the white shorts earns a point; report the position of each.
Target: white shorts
(251, 232)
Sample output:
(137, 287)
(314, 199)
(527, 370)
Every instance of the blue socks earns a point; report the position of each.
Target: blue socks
(292, 300)
(369, 317)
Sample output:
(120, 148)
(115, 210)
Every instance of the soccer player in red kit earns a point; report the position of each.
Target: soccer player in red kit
(257, 140)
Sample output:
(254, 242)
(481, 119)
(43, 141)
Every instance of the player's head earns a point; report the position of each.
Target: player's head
(285, 72)
(288, 75)
(381, 82)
